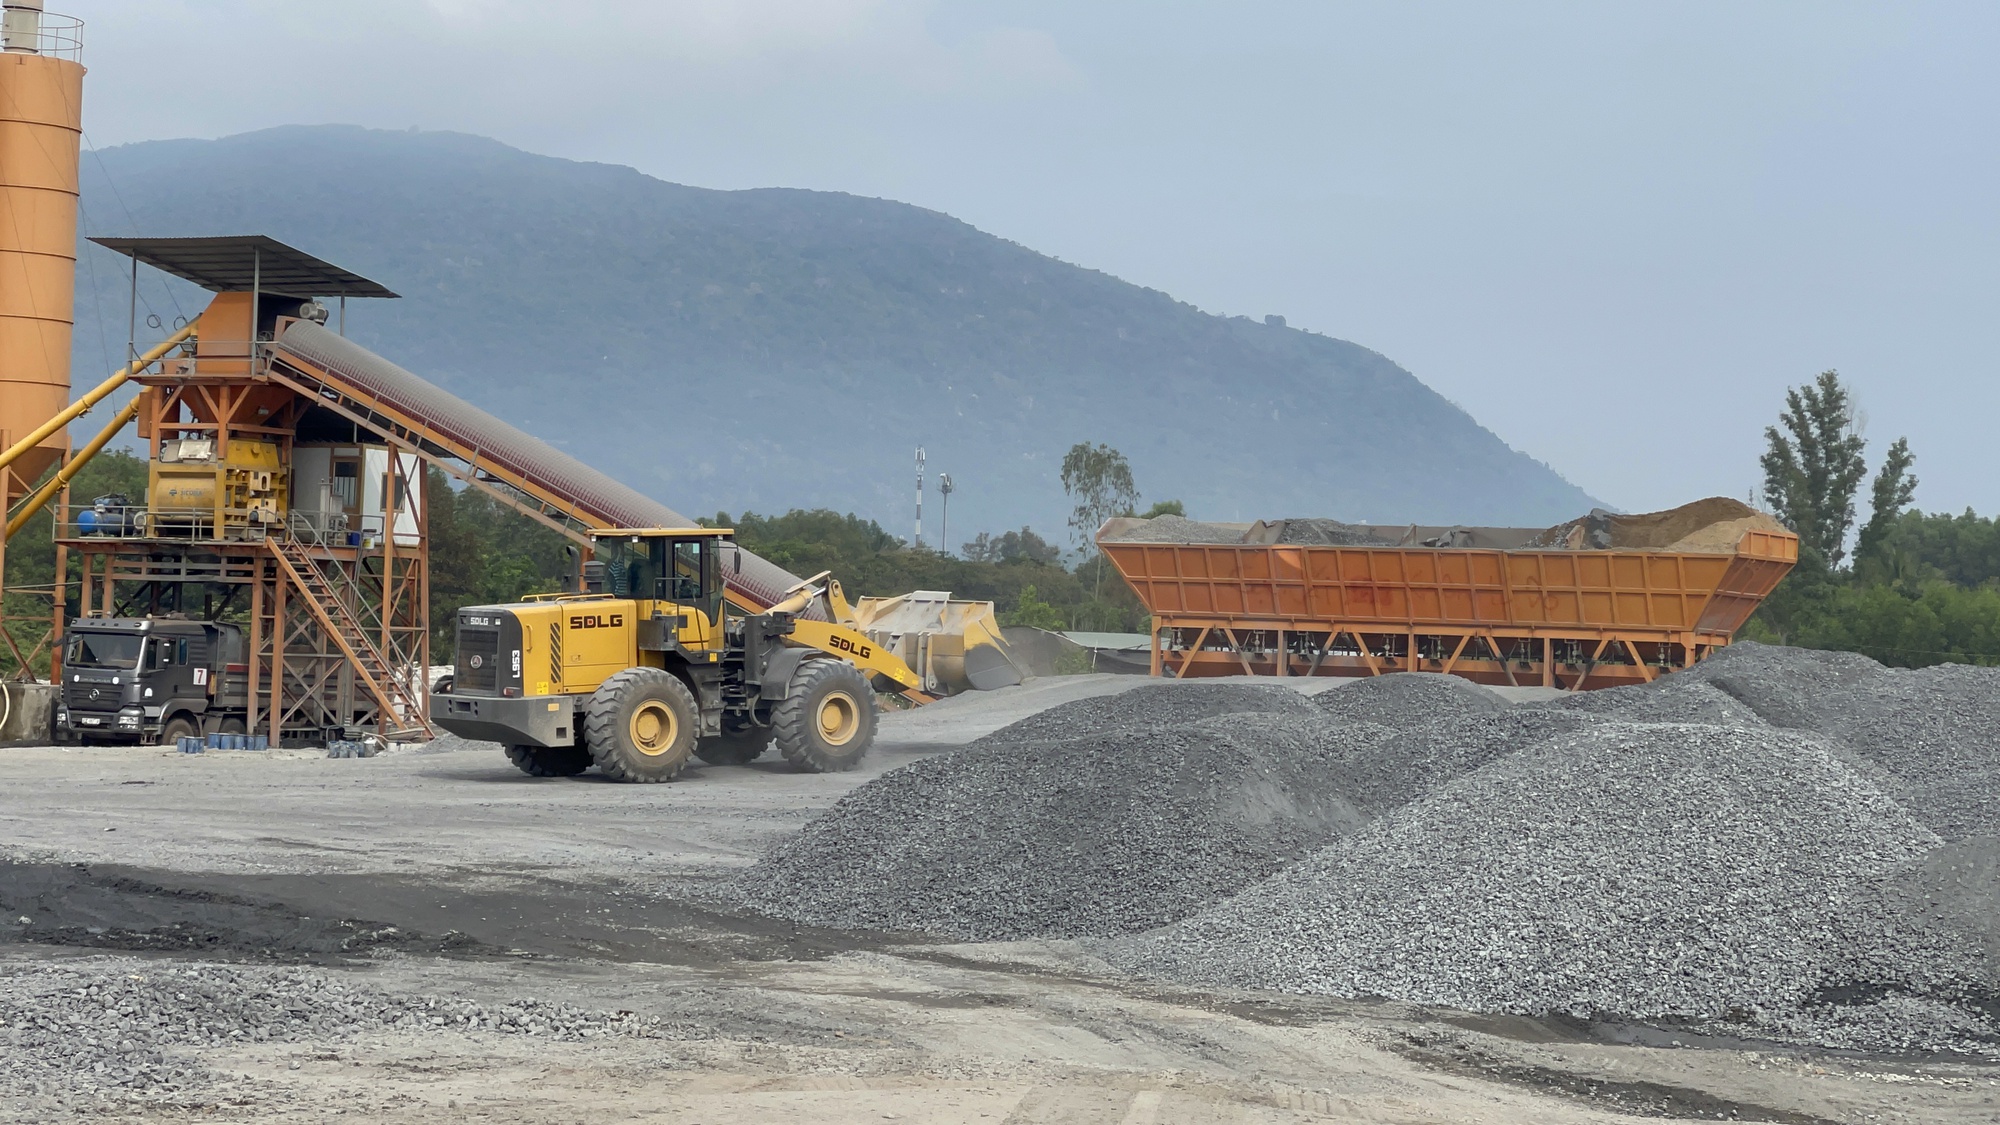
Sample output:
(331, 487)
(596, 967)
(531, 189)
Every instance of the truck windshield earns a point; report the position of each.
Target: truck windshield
(104, 650)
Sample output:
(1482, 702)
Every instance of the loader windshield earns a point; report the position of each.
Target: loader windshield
(680, 570)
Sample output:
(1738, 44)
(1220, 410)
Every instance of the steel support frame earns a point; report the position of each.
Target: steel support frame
(1568, 658)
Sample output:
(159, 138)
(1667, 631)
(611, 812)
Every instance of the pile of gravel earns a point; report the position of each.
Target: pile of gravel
(1385, 774)
(1673, 699)
(1786, 687)
(1405, 699)
(1327, 533)
(122, 1029)
(1154, 704)
(1095, 834)
(1937, 730)
(1179, 529)
(1674, 873)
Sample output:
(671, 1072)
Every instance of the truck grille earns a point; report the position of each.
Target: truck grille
(478, 661)
(78, 697)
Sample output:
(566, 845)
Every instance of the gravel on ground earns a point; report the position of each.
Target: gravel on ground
(1656, 872)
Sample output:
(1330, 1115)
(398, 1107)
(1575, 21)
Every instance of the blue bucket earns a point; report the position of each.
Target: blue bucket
(260, 742)
(212, 741)
(190, 744)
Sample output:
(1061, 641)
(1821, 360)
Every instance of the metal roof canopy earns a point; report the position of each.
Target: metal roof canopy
(237, 263)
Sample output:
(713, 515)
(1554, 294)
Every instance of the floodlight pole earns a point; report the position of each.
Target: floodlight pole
(944, 516)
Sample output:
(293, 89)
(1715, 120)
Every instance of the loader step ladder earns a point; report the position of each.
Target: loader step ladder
(401, 701)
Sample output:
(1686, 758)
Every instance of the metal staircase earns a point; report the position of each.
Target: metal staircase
(398, 692)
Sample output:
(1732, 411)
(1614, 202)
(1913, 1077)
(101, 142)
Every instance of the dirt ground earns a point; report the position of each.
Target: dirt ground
(446, 873)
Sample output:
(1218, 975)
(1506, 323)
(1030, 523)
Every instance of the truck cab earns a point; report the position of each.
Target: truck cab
(150, 679)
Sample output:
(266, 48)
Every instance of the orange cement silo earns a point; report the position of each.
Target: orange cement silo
(41, 126)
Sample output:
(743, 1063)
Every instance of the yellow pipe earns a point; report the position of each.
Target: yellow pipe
(77, 408)
(48, 491)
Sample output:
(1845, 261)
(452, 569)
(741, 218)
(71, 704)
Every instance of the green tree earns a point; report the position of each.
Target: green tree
(1895, 488)
(1032, 611)
(1099, 479)
(1813, 466)
(1164, 508)
(1022, 545)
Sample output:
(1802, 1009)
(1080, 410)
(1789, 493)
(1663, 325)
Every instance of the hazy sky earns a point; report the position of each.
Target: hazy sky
(1613, 232)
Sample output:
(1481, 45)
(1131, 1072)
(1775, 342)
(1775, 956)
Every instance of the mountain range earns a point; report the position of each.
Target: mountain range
(779, 348)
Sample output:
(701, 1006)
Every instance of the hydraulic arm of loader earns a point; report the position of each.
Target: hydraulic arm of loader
(841, 638)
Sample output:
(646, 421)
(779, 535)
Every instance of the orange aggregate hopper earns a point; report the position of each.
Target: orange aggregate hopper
(1597, 602)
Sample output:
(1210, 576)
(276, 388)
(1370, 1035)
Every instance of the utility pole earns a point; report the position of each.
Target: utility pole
(944, 517)
(919, 540)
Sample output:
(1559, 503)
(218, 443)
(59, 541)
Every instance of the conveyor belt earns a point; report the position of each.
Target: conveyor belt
(329, 366)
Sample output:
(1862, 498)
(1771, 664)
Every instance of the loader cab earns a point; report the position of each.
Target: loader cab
(670, 572)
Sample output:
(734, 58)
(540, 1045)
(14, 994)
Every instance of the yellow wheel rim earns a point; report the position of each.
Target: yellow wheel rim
(653, 728)
(839, 718)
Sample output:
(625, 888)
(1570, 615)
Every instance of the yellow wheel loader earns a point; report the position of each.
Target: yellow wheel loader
(645, 669)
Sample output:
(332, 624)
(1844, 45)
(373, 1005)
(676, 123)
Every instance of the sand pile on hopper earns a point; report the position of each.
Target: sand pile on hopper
(1096, 834)
(1659, 872)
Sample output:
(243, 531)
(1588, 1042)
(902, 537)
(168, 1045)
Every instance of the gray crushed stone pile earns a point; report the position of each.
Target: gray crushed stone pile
(1938, 731)
(1153, 705)
(1403, 699)
(1327, 533)
(1095, 834)
(1385, 774)
(1674, 699)
(1787, 687)
(112, 1030)
(1180, 529)
(1672, 873)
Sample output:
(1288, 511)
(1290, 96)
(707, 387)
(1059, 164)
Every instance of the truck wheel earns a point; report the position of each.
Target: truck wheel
(230, 725)
(734, 749)
(176, 728)
(549, 761)
(827, 722)
(640, 725)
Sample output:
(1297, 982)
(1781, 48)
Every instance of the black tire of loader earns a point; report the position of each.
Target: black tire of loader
(609, 725)
(549, 761)
(816, 685)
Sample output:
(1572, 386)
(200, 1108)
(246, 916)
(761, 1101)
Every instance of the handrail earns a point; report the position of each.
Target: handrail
(383, 696)
(77, 461)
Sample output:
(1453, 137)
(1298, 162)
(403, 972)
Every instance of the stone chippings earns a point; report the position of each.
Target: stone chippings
(1675, 699)
(1937, 730)
(123, 1029)
(1179, 529)
(1407, 699)
(1149, 706)
(1657, 872)
(1096, 834)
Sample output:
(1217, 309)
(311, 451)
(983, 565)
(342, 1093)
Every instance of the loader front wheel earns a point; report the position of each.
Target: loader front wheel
(827, 722)
(640, 725)
(549, 761)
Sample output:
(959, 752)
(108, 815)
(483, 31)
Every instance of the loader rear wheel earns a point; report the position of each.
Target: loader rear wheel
(734, 749)
(640, 725)
(549, 761)
(827, 722)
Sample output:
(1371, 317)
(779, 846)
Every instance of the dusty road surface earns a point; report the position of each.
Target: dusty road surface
(431, 936)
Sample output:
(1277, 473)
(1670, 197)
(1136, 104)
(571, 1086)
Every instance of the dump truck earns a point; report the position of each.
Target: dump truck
(151, 679)
(644, 668)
